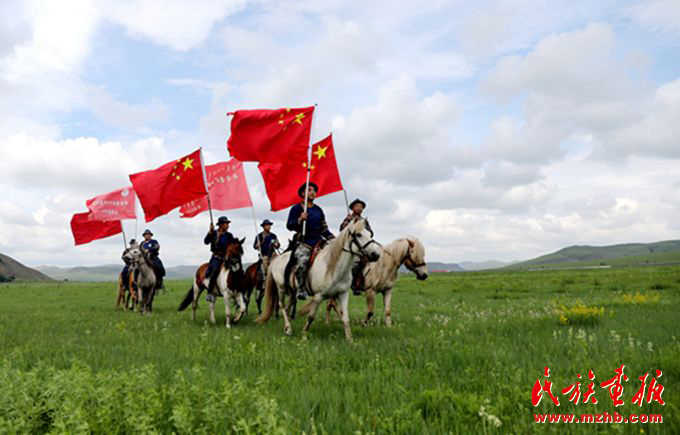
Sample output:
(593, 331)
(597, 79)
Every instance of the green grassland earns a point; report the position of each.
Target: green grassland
(463, 356)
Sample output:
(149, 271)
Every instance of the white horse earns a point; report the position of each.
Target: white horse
(381, 276)
(144, 278)
(229, 285)
(329, 275)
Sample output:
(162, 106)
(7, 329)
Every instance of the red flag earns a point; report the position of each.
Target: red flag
(86, 230)
(170, 186)
(282, 180)
(227, 187)
(268, 135)
(113, 206)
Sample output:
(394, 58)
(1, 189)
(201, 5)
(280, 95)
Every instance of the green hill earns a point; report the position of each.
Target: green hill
(12, 270)
(627, 254)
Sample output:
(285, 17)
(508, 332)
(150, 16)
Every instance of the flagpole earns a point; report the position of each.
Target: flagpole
(205, 182)
(136, 215)
(259, 247)
(346, 201)
(122, 228)
(309, 168)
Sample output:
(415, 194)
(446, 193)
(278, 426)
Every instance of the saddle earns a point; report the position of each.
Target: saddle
(291, 266)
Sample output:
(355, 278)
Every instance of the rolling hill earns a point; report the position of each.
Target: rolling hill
(613, 255)
(12, 270)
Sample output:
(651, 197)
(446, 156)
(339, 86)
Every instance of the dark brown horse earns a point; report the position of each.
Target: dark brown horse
(252, 282)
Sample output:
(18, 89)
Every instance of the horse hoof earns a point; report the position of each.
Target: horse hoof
(288, 331)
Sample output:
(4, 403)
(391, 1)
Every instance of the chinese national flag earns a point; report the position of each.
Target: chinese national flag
(282, 180)
(86, 230)
(268, 135)
(113, 206)
(170, 186)
(227, 187)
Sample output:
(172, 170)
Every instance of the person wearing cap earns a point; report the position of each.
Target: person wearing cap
(315, 231)
(357, 207)
(126, 270)
(152, 247)
(265, 243)
(218, 241)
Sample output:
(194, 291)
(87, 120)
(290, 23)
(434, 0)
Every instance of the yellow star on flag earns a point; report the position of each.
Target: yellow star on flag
(298, 118)
(320, 152)
(188, 163)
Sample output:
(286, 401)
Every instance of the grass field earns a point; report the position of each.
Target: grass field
(463, 357)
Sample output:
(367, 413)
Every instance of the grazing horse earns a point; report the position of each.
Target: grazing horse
(329, 275)
(381, 276)
(144, 278)
(131, 299)
(229, 284)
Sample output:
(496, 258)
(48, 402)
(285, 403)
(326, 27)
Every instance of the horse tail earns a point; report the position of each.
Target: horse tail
(271, 295)
(188, 299)
(306, 308)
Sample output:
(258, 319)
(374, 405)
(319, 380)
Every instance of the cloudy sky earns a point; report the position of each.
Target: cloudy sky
(489, 130)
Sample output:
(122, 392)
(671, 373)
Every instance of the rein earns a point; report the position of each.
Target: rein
(362, 248)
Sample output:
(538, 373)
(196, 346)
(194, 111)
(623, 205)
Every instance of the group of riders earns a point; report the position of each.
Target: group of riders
(309, 225)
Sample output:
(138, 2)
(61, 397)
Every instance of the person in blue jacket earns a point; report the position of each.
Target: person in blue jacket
(218, 241)
(152, 247)
(315, 231)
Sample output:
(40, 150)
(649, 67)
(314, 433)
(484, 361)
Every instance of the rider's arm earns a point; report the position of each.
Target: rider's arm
(294, 223)
(209, 237)
(324, 227)
(256, 243)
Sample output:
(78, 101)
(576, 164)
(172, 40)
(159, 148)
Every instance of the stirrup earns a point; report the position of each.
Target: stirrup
(209, 297)
(301, 295)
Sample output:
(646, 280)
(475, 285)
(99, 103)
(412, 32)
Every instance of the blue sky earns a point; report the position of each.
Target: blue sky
(489, 130)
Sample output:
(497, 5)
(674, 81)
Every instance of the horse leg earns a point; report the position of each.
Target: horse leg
(211, 305)
(344, 306)
(387, 300)
(370, 302)
(243, 307)
(258, 299)
(287, 328)
(227, 309)
(328, 311)
(313, 307)
(194, 302)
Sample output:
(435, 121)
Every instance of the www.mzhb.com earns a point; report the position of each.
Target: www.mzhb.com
(598, 418)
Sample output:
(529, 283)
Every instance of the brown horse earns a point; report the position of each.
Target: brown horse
(229, 284)
(252, 282)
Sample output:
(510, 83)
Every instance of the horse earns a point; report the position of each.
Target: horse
(329, 275)
(131, 300)
(144, 278)
(251, 282)
(229, 284)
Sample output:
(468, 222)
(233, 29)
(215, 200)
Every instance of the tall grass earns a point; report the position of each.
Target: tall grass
(462, 357)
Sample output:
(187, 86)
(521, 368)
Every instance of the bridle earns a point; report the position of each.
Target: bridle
(411, 265)
(362, 248)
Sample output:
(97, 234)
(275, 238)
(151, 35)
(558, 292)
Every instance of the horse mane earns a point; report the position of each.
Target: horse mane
(335, 246)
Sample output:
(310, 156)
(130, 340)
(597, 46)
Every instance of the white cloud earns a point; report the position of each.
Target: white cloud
(123, 115)
(177, 24)
(659, 15)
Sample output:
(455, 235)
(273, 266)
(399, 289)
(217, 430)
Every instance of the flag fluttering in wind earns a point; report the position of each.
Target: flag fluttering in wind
(268, 135)
(282, 180)
(170, 186)
(113, 206)
(227, 187)
(85, 229)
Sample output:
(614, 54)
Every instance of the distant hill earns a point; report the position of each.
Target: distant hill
(483, 265)
(434, 266)
(108, 272)
(614, 255)
(12, 270)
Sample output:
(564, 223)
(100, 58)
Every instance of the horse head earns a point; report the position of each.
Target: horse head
(361, 240)
(234, 254)
(414, 260)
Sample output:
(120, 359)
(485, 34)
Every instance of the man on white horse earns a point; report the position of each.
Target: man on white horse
(219, 241)
(357, 207)
(316, 230)
(152, 247)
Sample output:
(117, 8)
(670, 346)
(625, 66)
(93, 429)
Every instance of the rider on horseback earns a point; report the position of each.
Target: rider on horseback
(316, 230)
(128, 262)
(218, 241)
(357, 206)
(265, 243)
(151, 246)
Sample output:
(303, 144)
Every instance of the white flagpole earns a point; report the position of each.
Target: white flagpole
(259, 243)
(122, 227)
(205, 182)
(309, 164)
